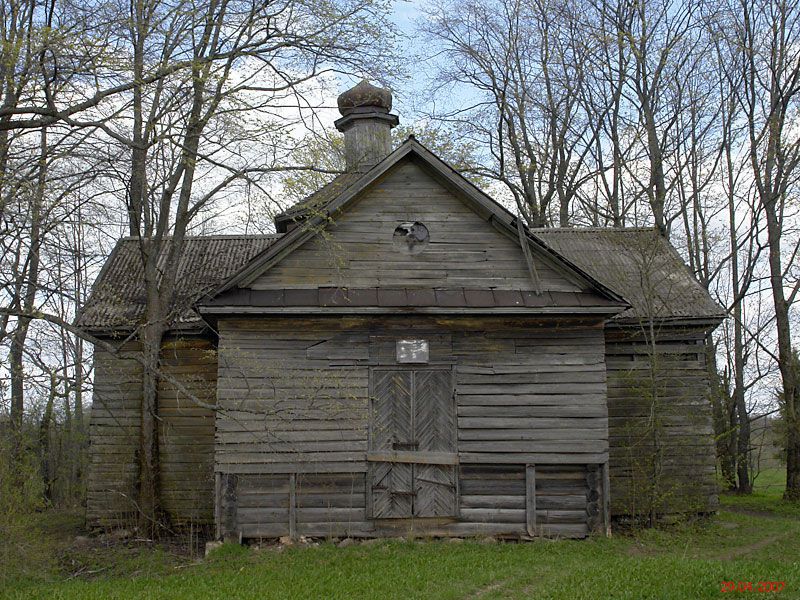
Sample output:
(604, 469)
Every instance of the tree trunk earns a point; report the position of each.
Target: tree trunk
(657, 192)
(723, 415)
(786, 357)
(31, 279)
(44, 440)
(150, 517)
(17, 373)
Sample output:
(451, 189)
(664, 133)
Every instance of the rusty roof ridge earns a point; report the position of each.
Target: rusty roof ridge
(214, 236)
(592, 229)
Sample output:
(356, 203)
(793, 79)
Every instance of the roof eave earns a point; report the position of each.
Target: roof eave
(349, 310)
(708, 322)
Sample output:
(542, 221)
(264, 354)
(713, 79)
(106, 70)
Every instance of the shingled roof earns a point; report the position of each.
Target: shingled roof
(640, 265)
(118, 297)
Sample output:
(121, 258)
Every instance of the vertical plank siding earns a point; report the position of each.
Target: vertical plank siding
(659, 401)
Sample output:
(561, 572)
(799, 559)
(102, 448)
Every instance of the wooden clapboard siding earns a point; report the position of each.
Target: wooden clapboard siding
(493, 502)
(114, 427)
(331, 505)
(568, 500)
(357, 250)
(295, 403)
(278, 388)
(186, 430)
(494, 494)
(537, 393)
(186, 434)
(286, 403)
(680, 427)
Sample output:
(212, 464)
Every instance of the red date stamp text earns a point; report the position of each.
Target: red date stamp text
(752, 586)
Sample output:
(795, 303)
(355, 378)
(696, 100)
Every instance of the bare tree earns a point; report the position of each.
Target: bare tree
(199, 101)
(525, 65)
(211, 125)
(766, 35)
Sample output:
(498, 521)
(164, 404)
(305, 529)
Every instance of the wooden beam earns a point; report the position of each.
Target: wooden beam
(292, 506)
(530, 499)
(422, 458)
(218, 505)
(526, 251)
(606, 499)
(229, 527)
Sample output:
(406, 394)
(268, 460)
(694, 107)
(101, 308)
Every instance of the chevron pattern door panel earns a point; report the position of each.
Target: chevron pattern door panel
(434, 491)
(434, 431)
(434, 414)
(392, 486)
(413, 415)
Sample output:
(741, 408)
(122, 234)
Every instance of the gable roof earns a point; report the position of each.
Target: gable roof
(642, 265)
(611, 260)
(609, 255)
(315, 201)
(118, 298)
(317, 212)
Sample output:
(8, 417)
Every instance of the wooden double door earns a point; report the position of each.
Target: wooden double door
(412, 444)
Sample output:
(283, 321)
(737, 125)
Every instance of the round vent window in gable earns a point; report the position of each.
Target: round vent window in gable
(411, 238)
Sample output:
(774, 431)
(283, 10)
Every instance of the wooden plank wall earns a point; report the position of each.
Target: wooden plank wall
(114, 427)
(294, 396)
(532, 395)
(666, 407)
(314, 505)
(494, 498)
(186, 434)
(493, 502)
(357, 250)
(291, 398)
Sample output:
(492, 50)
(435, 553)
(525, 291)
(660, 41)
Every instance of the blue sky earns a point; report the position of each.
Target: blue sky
(405, 15)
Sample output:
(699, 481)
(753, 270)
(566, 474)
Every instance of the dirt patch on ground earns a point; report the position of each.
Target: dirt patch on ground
(641, 551)
(492, 587)
(754, 547)
(753, 513)
(123, 552)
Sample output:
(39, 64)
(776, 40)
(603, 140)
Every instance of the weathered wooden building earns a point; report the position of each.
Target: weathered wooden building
(404, 355)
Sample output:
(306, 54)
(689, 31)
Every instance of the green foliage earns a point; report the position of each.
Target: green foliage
(25, 550)
(447, 144)
(228, 552)
(21, 550)
(687, 560)
(323, 156)
(655, 398)
(21, 484)
(767, 496)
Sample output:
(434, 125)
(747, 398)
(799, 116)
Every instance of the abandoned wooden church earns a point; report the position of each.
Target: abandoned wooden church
(404, 356)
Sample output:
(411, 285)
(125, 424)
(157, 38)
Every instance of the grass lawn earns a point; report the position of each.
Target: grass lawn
(753, 539)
